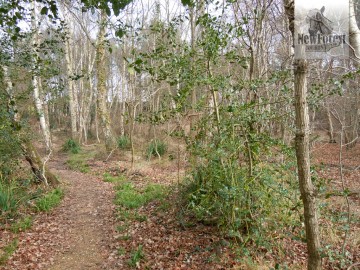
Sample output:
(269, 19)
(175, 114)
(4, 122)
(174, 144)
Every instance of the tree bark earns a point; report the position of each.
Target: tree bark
(331, 126)
(35, 84)
(38, 167)
(354, 35)
(70, 85)
(103, 112)
(307, 189)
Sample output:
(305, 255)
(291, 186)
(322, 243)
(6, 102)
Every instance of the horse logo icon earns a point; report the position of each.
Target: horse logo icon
(318, 23)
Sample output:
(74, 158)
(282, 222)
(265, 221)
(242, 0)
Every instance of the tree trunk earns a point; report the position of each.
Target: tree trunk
(103, 112)
(31, 155)
(331, 126)
(70, 85)
(35, 84)
(354, 37)
(38, 167)
(307, 189)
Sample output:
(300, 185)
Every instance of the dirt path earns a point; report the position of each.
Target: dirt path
(76, 234)
(87, 208)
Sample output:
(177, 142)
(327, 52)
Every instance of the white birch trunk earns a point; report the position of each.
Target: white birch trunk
(35, 84)
(354, 30)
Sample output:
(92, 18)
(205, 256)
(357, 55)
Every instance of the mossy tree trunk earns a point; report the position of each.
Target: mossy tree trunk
(101, 73)
(40, 170)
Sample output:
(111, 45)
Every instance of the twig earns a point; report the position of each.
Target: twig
(110, 154)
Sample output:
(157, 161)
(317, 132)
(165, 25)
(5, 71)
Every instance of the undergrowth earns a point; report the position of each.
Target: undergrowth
(156, 148)
(136, 257)
(71, 146)
(8, 198)
(132, 198)
(22, 224)
(49, 200)
(113, 179)
(123, 142)
(8, 250)
(79, 161)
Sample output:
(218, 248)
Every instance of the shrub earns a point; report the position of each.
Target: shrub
(156, 148)
(123, 142)
(71, 146)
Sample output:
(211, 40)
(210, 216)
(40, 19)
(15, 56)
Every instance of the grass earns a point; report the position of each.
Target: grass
(49, 200)
(8, 250)
(22, 225)
(131, 198)
(121, 251)
(79, 161)
(156, 148)
(8, 201)
(123, 142)
(122, 228)
(114, 179)
(136, 256)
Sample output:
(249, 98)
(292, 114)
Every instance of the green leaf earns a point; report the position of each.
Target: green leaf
(120, 33)
(187, 3)
(108, 11)
(131, 71)
(44, 11)
(116, 7)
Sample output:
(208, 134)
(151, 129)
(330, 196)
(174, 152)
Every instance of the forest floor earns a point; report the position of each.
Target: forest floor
(88, 231)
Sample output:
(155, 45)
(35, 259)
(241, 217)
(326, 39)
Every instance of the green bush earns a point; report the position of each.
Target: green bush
(123, 142)
(247, 202)
(71, 146)
(49, 200)
(156, 148)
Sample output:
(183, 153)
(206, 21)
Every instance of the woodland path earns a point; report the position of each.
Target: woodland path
(76, 234)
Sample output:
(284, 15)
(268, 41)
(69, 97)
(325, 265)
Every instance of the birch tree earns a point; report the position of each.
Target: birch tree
(35, 81)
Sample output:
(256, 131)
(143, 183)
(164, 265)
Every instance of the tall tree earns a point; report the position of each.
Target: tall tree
(70, 84)
(35, 81)
(101, 74)
(307, 188)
